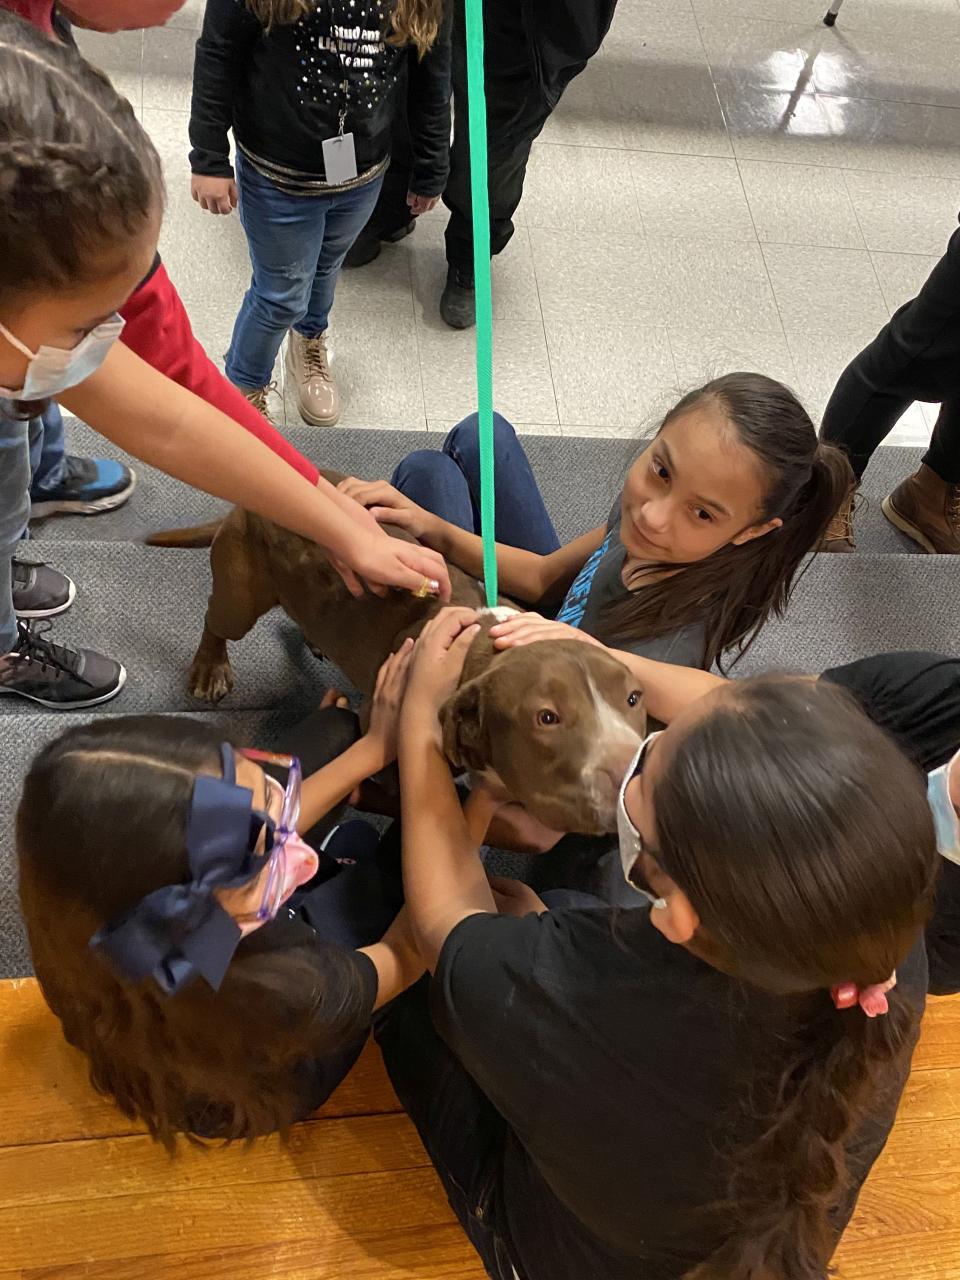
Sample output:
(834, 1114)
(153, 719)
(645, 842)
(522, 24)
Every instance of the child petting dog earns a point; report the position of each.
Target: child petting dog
(703, 544)
(81, 197)
(218, 968)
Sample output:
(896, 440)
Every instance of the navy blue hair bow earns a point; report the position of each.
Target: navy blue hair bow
(181, 932)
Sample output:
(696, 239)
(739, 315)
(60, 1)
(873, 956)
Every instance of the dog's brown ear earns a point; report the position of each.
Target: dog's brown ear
(465, 740)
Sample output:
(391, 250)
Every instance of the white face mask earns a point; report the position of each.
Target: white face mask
(631, 843)
(945, 818)
(52, 370)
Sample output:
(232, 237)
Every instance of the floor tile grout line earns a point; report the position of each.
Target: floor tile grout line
(873, 265)
(543, 325)
(645, 240)
(416, 334)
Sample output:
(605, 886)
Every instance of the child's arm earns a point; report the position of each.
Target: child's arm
(667, 689)
(525, 575)
(164, 425)
(325, 789)
(227, 38)
(396, 960)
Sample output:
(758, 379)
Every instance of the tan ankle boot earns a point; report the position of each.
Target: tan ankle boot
(927, 509)
(308, 363)
(839, 534)
(258, 398)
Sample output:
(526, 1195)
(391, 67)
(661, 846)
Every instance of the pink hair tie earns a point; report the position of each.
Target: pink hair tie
(872, 1000)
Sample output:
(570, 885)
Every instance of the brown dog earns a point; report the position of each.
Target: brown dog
(556, 723)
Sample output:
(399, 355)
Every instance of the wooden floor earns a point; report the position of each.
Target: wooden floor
(83, 1193)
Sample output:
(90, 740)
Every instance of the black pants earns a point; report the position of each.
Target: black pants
(391, 212)
(916, 356)
(461, 1130)
(516, 113)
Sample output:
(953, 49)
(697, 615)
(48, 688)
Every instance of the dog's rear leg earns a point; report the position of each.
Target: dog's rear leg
(242, 593)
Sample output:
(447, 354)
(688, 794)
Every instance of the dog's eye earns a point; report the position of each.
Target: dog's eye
(633, 699)
(546, 718)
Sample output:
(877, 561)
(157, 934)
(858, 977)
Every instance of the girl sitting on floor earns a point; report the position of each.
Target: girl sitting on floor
(218, 969)
(702, 545)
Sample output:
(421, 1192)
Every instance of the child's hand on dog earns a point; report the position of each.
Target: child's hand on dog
(387, 701)
(525, 628)
(388, 505)
(435, 671)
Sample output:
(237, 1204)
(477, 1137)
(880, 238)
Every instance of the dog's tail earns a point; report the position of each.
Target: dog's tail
(200, 535)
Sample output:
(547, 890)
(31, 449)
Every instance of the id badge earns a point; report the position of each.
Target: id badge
(339, 159)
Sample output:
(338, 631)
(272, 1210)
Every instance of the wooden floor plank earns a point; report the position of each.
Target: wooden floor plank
(940, 1036)
(900, 1256)
(931, 1095)
(330, 1210)
(84, 1195)
(136, 1165)
(46, 1096)
(429, 1253)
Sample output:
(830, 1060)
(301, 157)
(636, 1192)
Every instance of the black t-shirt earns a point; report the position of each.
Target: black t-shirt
(617, 1062)
(915, 697)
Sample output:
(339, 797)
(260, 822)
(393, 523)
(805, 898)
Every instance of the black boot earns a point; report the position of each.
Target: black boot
(366, 248)
(458, 302)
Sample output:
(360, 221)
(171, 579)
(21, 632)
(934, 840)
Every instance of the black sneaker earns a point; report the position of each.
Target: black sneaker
(55, 675)
(458, 302)
(88, 486)
(39, 591)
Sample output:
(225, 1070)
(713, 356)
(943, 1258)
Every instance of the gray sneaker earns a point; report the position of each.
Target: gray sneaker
(39, 591)
(55, 675)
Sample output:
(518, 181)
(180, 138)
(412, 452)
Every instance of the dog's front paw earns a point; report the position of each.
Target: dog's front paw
(210, 681)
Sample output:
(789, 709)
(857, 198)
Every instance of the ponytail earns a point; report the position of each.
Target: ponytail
(733, 592)
(789, 1188)
(802, 837)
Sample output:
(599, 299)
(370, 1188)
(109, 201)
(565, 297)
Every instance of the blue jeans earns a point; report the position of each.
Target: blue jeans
(297, 247)
(18, 440)
(447, 483)
(47, 450)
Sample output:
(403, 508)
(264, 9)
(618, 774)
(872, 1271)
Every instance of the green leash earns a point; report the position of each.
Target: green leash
(480, 199)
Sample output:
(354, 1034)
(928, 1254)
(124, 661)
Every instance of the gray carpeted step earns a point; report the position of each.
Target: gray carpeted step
(847, 607)
(21, 737)
(145, 606)
(579, 478)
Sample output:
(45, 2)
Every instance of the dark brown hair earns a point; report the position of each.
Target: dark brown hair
(802, 837)
(735, 590)
(78, 175)
(414, 22)
(101, 823)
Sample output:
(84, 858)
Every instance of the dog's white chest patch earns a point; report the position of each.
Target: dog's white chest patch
(499, 612)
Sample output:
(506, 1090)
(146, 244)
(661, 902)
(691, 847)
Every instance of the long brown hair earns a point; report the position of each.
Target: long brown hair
(414, 22)
(78, 175)
(733, 592)
(101, 824)
(802, 837)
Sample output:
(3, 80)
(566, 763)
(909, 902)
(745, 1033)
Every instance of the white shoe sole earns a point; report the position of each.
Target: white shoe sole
(51, 613)
(65, 506)
(911, 530)
(72, 706)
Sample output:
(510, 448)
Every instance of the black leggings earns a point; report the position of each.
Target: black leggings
(915, 356)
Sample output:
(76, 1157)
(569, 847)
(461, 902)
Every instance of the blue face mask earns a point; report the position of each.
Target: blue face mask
(51, 370)
(945, 818)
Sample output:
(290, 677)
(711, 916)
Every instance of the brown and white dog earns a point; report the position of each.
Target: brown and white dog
(556, 723)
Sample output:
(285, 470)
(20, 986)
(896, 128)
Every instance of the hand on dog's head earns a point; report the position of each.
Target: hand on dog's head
(556, 723)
